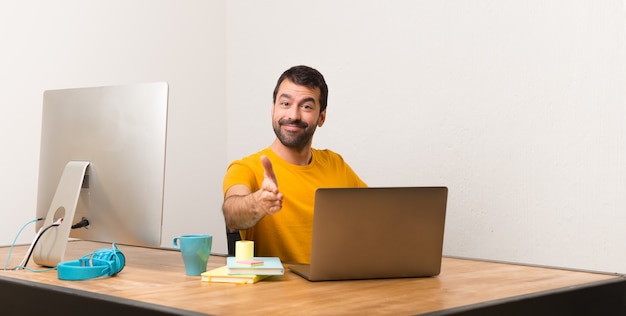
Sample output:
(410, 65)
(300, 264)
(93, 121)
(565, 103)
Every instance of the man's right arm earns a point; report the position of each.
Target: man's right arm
(240, 209)
(243, 208)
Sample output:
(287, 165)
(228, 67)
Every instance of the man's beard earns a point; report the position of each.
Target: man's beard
(297, 141)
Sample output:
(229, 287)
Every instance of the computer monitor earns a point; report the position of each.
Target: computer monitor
(103, 159)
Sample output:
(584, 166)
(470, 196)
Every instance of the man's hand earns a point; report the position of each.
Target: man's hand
(268, 197)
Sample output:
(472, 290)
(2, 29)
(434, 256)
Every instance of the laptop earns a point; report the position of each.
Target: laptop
(372, 233)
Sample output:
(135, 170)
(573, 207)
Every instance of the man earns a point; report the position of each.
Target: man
(269, 195)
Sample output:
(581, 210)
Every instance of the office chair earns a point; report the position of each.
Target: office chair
(232, 236)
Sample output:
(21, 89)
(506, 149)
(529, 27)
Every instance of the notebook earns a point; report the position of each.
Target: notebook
(369, 233)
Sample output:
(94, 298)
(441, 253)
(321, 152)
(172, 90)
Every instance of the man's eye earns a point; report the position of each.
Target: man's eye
(284, 103)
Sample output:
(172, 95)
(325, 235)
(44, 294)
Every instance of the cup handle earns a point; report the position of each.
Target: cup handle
(175, 243)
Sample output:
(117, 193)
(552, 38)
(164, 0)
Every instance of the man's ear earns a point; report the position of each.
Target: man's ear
(322, 119)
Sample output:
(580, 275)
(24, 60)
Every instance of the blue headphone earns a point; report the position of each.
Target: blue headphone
(103, 262)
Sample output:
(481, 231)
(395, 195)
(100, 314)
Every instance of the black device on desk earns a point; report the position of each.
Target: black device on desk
(232, 237)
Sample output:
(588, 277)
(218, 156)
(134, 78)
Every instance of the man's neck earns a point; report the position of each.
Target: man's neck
(291, 155)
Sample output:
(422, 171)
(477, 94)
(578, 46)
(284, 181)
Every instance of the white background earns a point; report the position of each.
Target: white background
(517, 106)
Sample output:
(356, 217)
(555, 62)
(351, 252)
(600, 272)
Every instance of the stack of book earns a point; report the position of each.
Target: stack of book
(245, 271)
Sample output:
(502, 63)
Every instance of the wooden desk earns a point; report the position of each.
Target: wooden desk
(153, 282)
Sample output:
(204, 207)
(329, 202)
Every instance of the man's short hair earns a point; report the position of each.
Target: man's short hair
(308, 77)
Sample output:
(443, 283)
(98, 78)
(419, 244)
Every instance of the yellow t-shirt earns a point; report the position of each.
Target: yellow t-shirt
(287, 234)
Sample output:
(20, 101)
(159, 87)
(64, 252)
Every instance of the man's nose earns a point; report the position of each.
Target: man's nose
(294, 113)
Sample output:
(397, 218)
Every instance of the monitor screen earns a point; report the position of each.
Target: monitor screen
(118, 133)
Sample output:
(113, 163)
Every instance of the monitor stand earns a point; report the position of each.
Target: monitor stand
(50, 248)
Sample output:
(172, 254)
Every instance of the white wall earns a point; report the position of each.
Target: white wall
(63, 44)
(517, 106)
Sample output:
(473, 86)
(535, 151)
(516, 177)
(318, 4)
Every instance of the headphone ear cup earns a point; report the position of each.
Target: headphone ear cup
(120, 261)
(114, 257)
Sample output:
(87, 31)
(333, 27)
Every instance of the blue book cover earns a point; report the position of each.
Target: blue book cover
(269, 266)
